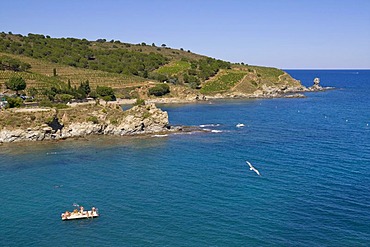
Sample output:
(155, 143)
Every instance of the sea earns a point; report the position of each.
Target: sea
(195, 189)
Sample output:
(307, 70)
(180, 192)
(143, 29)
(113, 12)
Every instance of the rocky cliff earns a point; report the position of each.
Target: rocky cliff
(81, 121)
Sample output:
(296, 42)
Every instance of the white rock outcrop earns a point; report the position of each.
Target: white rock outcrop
(138, 120)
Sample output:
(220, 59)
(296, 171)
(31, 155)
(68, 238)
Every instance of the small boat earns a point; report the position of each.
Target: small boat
(239, 125)
(80, 214)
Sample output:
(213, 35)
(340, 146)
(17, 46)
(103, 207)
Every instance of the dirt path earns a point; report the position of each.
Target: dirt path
(281, 76)
(32, 109)
(237, 84)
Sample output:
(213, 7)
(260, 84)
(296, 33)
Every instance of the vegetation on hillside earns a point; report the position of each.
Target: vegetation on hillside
(81, 53)
(58, 70)
(9, 63)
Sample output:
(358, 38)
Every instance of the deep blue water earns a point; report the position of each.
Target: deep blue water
(195, 189)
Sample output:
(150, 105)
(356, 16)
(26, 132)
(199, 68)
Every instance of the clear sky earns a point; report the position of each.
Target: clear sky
(278, 33)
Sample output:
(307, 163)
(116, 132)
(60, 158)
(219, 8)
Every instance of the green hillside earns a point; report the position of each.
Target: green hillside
(62, 64)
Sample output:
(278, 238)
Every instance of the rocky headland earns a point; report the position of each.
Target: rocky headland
(265, 91)
(81, 121)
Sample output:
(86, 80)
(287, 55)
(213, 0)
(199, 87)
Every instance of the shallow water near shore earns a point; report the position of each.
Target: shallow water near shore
(195, 189)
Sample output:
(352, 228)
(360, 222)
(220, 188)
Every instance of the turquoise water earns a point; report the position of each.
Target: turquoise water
(195, 189)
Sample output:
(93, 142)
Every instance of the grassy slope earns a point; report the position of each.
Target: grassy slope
(223, 82)
(173, 68)
(247, 79)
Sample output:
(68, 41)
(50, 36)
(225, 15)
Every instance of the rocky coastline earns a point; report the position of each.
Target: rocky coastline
(139, 120)
(108, 118)
(265, 92)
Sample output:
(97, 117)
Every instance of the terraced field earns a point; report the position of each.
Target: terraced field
(41, 75)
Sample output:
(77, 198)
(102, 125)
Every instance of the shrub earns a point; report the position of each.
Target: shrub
(93, 119)
(109, 98)
(60, 106)
(32, 91)
(159, 90)
(14, 102)
(139, 102)
(93, 94)
(146, 114)
(63, 97)
(46, 103)
(113, 121)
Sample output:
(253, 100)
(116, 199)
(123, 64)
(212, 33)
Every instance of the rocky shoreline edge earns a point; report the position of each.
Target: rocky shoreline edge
(265, 93)
(57, 125)
(108, 118)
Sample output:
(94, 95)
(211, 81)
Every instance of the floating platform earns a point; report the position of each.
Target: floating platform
(78, 215)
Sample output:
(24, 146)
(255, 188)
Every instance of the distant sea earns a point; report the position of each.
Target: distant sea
(195, 189)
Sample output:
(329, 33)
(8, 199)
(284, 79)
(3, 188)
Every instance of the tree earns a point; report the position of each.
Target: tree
(145, 74)
(16, 84)
(85, 87)
(106, 93)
